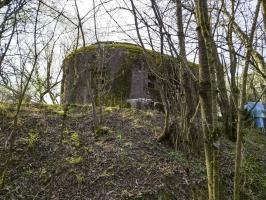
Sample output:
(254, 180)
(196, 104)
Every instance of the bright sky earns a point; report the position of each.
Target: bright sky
(107, 28)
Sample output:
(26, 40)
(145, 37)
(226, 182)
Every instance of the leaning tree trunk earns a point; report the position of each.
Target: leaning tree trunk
(255, 55)
(241, 107)
(233, 66)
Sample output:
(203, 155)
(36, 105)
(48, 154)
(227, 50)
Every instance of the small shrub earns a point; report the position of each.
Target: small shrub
(28, 172)
(80, 178)
(75, 139)
(74, 160)
(31, 139)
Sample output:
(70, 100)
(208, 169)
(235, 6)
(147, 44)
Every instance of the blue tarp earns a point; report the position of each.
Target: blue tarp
(258, 112)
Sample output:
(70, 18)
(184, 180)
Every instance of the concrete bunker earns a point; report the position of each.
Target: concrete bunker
(121, 70)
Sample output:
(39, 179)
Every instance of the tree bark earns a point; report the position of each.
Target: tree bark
(209, 62)
(233, 86)
(189, 103)
(206, 108)
(242, 100)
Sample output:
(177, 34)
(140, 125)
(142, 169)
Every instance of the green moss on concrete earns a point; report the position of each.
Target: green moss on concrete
(132, 48)
(134, 51)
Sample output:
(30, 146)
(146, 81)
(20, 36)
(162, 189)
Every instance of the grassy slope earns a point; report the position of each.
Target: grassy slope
(64, 159)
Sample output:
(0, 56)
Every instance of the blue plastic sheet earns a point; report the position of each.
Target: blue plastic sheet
(259, 122)
(258, 113)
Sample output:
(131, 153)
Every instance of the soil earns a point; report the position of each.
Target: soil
(58, 156)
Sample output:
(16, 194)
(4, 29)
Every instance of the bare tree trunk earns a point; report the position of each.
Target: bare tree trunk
(208, 98)
(233, 66)
(189, 103)
(80, 25)
(217, 75)
(242, 101)
(206, 109)
(99, 75)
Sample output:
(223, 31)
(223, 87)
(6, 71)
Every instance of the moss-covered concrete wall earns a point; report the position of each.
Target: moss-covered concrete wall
(127, 75)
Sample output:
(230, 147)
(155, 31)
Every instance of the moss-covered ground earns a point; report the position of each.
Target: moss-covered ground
(60, 157)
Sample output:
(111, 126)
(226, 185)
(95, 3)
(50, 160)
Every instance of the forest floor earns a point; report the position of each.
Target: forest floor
(57, 157)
